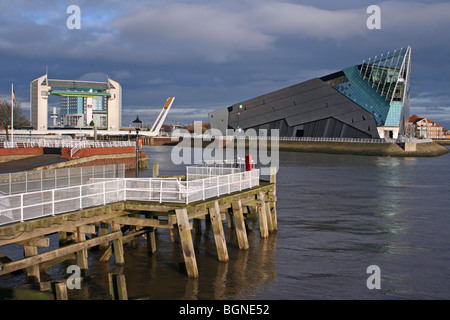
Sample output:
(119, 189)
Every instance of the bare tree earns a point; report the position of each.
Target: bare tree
(5, 116)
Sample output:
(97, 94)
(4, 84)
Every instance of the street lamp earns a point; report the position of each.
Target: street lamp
(239, 113)
(137, 124)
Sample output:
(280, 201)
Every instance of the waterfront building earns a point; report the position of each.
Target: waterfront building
(81, 102)
(82, 111)
(368, 100)
(424, 128)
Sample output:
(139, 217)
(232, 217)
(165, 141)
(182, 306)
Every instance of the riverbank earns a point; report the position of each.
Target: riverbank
(430, 149)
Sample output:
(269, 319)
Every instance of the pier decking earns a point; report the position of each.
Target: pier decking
(111, 211)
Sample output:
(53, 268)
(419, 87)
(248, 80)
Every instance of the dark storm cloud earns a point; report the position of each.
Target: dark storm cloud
(211, 54)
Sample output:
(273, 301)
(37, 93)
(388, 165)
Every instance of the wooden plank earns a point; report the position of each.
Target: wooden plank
(125, 239)
(66, 225)
(187, 245)
(219, 236)
(239, 221)
(142, 222)
(48, 264)
(50, 255)
(87, 229)
(37, 242)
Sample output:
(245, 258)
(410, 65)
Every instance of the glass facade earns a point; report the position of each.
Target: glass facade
(381, 86)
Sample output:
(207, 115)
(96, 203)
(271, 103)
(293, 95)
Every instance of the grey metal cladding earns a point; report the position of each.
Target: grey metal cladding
(218, 119)
(308, 101)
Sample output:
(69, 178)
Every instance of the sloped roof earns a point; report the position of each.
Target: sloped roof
(414, 118)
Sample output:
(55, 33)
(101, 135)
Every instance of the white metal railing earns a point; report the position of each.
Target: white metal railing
(62, 143)
(38, 180)
(201, 172)
(32, 205)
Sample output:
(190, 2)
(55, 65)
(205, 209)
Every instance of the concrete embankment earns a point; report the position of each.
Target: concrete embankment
(430, 149)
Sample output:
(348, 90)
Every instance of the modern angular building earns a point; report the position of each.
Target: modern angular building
(368, 100)
(81, 102)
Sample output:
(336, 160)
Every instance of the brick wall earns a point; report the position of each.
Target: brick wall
(87, 152)
(20, 151)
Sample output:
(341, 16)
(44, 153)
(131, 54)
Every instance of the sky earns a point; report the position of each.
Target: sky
(210, 54)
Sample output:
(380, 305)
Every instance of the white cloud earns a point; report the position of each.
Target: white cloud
(285, 17)
(184, 30)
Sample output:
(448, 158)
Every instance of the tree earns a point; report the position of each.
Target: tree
(5, 116)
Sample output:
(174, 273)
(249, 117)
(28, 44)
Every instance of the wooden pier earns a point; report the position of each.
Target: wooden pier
(112, 225)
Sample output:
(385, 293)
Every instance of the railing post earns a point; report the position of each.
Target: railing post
(240, 181)
(150, 189)
(218, 189)
(53, 202)
(104, 191)
(21, 207)
(160, 191)
(203, 189)
(81, 198)
(124, 189)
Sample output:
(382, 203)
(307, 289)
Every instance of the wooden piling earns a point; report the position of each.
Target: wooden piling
(273, 195)
(239, 222)
(117, 286)
(151, 241)
(219, 236)
(187, 245)
(82, 255)
(118, 244)
(262, 216)
(33, 274)
(155, 170)
(60, 290)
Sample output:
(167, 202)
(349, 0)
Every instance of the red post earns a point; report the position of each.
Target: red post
(248, 162)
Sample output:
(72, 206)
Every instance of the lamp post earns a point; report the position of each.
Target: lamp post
(137, 124)
(239, 113)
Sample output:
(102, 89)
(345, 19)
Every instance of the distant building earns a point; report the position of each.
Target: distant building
(424, 128)
(369, 100)
(81, 102)
(80, 111)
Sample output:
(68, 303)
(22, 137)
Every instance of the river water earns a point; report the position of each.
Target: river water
(337, 215)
